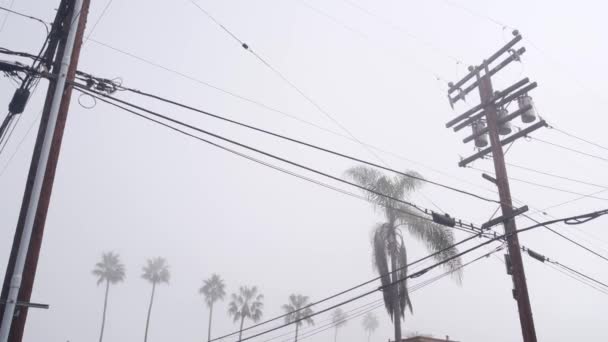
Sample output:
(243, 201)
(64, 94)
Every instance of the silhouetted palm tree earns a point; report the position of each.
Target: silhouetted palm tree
(156, 271)
(247, 304)
(387, 237)
(338, 318)
(213, 289)
(298, 312)
(111, 271)
(370, 324)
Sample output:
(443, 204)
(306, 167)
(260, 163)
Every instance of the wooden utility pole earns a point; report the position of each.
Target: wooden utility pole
(502, 182)
(23, 261)
(491, 118)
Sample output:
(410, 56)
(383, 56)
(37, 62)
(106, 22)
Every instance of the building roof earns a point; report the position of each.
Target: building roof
(426, 339)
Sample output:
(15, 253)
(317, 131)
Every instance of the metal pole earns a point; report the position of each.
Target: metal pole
(502, 181)
(9, 309)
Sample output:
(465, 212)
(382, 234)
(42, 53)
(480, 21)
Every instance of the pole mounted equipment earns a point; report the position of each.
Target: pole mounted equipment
(489, 120)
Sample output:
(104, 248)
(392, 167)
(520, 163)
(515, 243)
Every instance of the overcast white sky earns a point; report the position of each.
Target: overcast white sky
(128, 186)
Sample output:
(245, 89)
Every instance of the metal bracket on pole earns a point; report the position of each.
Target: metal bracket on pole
(501, 219)
(27, 304)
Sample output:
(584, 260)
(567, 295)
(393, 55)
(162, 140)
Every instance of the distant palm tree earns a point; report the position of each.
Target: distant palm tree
(298, 312)
(247, 304)
(370, 324)
(338, 318)
(156, 271)
(213, 289)
(387, 237)
(111, 271)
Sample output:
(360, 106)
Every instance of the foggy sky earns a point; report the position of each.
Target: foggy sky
(129, 186)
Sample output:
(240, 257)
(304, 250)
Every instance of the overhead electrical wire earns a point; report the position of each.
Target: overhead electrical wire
(541, 185)
(567, 238)
(103, 13)
(578, 275)
(570, 149)
(459, 224)
(557, 176)
(9, 10)
(401, 29)
(290, 83)
(578, 138)
(579, 219)
(368, 38)
(282, 159)
(300, 142)
(411, 289)
(278, 111)
(572, 220)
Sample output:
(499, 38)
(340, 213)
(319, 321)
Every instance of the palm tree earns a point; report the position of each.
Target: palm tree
(338, 318)
(156, 271)
(387, 237)
(370, 324)
(298, 312)
(213, 289)
(111, 271)
(247, 304)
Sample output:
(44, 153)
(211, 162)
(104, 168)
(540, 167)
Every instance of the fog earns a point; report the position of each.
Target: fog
(137, 189)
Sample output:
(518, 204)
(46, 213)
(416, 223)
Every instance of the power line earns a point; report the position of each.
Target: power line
(569, 149)
(567, 238)
(291, 84)
(9, 10)
(543, 185)
(400, 28)
(573, 220)
(310, 145)
(558, 176)
(10, 159)
(469, 228)
(578, 279)
(278, 111)
(579, 275)
(579, 138)
(103, 13)
(361, 34)
(411, 289)
(477, 14)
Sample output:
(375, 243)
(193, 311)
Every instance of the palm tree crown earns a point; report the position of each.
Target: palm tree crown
(339, 318)
(247, 304)
(156, 271)
(109, 269)
(389, 251)
(370, 323)
(213, 289)
(297, 310)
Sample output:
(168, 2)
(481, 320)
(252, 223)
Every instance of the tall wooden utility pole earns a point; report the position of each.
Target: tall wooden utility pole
(21, 270)
(491, 118)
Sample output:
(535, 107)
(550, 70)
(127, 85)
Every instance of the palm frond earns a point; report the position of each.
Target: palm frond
(404, 296)
(380, 262)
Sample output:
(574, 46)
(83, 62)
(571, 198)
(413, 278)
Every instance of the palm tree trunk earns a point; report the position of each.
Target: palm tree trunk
(210, 317)
(241, 328)
(105, 305)
(369, 335)
(297, 326)
(149, 311)
(396, 303)
(336, 335)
